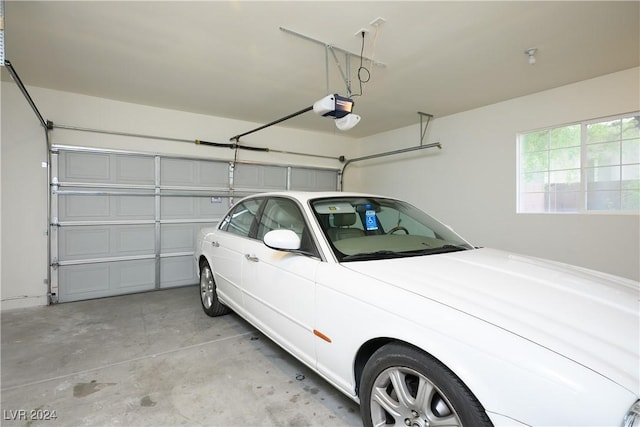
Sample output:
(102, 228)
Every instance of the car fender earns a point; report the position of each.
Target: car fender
(203, 239)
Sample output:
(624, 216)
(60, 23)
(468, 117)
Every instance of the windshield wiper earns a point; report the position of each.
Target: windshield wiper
(442, 250)
(384, 254)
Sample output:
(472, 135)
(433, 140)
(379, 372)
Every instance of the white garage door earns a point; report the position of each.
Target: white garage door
(127, 222)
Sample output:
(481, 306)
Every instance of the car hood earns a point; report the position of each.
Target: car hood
(589, 317)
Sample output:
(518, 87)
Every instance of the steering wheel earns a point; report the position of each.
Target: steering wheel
(398, 228)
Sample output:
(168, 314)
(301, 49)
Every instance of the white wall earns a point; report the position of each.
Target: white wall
(24, 180)
(471, 183)
(24, 204)
(0, 191)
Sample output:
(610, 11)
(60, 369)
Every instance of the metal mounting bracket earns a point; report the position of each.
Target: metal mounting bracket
(423, 128)
(333, 49)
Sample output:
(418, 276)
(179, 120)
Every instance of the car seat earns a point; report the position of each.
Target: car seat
(342, 227)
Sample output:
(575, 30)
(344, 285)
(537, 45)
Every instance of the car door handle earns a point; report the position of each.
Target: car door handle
(215, 244)
(252, 258)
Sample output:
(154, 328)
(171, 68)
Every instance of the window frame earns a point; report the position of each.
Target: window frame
(228, 218)
(584, 168)
(262, 202)
(314, 251)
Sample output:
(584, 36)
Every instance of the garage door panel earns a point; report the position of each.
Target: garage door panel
(74, 207)
(133, 240)
(260, 177)
(177, 172)
(213, 174)
(82, 242)
(98, 280)
(212, 207)
(194, 173)
(135, 170)
(83, 279)
(192, 207)
(129, 207)
(177, 207)
(93, 242)
(133, 276)
(83, 207)
(78, 167)
(84, 167)
(178, 237)
(313, 180)
(177, 271)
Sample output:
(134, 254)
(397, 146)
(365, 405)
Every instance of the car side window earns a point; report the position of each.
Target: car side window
(284, 214)
(241, 218)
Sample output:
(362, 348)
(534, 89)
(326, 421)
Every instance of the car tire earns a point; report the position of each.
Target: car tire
(402, 385)
(208, 293)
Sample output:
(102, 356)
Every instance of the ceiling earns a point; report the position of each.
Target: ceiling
(231, 58)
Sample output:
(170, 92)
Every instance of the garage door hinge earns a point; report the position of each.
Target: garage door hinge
(54, 263)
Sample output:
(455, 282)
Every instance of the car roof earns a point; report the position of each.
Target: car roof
(305, 196)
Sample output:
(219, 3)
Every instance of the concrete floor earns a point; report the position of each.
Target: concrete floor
(155, 359)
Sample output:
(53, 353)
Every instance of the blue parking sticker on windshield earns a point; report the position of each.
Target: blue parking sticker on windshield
(370, 219)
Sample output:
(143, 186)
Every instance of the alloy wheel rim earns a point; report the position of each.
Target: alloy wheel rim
(206, 288)
(403, 396)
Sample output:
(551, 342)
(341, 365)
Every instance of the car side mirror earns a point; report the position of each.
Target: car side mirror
(282, 240)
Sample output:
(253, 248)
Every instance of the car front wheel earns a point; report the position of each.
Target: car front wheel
(208, 294)
(402, 385)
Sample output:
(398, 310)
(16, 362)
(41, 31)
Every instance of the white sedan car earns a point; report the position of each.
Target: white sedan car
(421, 328)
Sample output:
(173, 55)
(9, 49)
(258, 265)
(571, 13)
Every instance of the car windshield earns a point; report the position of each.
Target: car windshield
(365, 228)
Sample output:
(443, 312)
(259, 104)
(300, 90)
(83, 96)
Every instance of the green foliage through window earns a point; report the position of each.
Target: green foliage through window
(589, 166)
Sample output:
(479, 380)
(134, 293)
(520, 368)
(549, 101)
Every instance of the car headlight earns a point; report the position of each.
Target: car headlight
(632, 419)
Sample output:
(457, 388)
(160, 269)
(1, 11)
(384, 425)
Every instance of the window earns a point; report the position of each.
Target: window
(582, 167)
(392, 229)
(284, 214)
(241, 218)
(281, 214)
